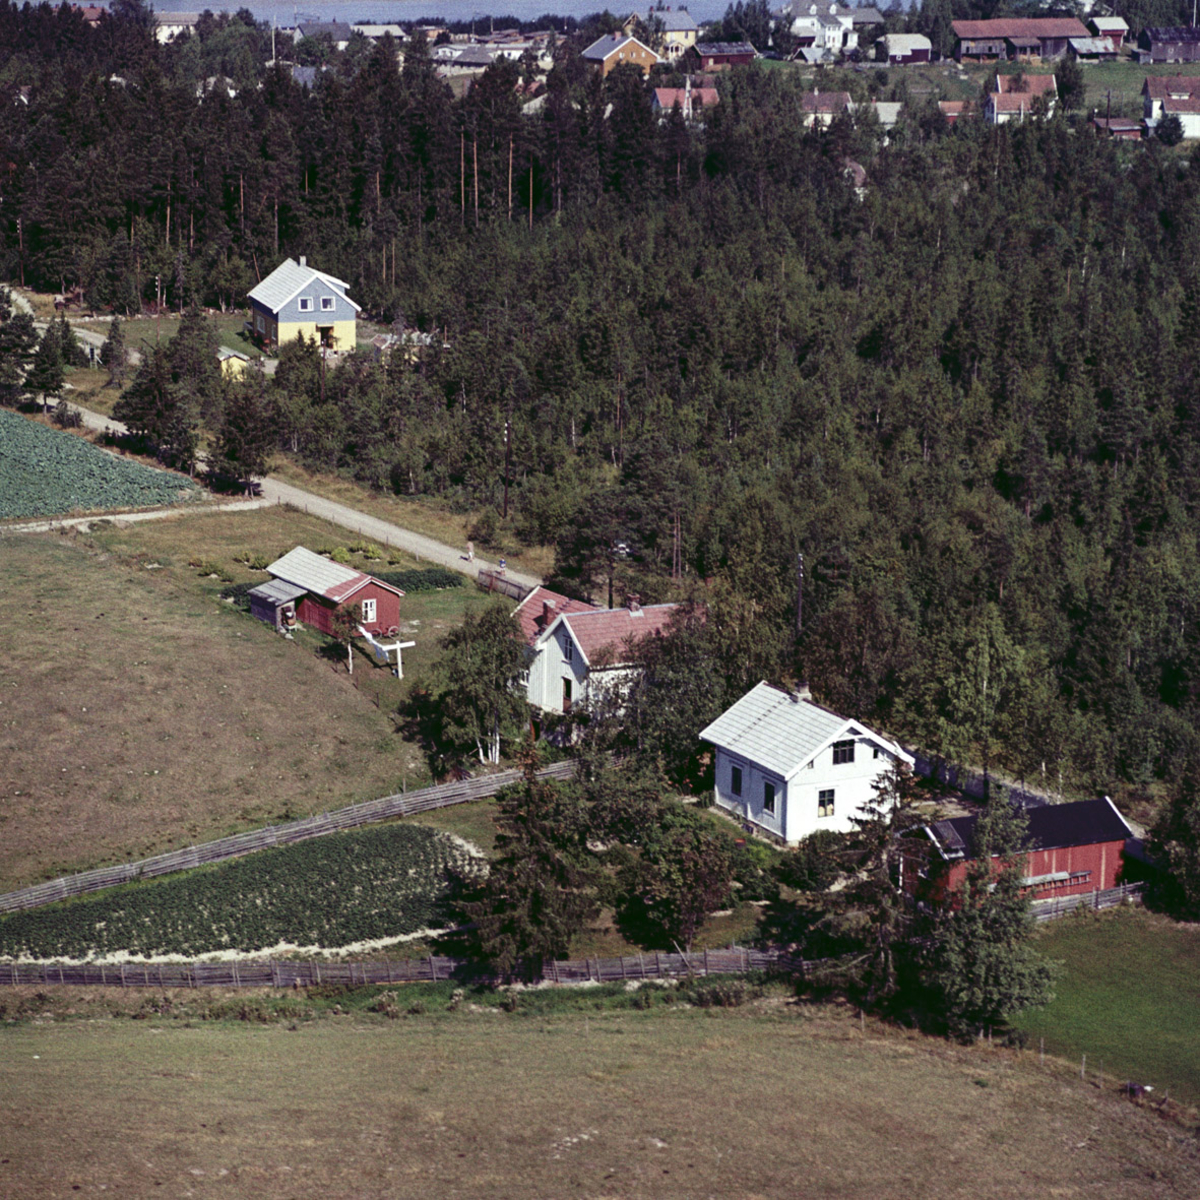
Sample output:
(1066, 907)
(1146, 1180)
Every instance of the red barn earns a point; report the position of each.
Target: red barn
(328, 586)
(1072, 848)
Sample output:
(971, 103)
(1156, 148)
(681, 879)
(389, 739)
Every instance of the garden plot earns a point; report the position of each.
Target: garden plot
(351, 892)
(46, 473)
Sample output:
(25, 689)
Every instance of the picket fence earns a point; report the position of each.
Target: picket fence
(402, 804)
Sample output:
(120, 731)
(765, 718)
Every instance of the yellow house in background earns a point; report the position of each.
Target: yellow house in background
(296, 299)
(234, 363)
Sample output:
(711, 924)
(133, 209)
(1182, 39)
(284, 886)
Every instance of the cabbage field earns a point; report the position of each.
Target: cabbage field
(366, 886)
(47, 473)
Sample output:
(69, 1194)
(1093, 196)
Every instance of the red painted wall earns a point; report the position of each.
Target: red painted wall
(1095, 866)
(319, 613)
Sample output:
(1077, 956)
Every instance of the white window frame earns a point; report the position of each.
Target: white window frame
(328, 304)
(825, 802)
(845, 749)
(568, 649)
(261, 322)
(368, 611)
(306, 303)
(736, 781)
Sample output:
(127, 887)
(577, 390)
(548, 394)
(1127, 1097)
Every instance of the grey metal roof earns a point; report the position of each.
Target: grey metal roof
(312, 572)
(289, 278)
(278, 591)
(777, 729)
(1090, 45)
(679, 21)
(601, 48)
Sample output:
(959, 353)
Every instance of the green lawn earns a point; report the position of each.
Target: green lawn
(1127, 999)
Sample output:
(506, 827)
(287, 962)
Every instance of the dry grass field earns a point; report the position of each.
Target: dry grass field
(774, 1100)
(138, 712)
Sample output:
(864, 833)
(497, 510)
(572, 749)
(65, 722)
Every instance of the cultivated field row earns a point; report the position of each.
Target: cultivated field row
(401, 804)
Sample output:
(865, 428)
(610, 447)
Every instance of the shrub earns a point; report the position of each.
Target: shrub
(340, 554)
(65, 416)
(723, 993)
(206, 566)
(239, 595)
(813, 865)
(256, 562)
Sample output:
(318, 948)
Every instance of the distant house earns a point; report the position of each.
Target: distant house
(1173, 95)
(296, 299)
(1019, 96)
(327, 586)
(1120, 128)
(233, 362)
(615, 50)
(1169, 44)
(955, 110)
(819, 109)
(338, 32)
(720, 56)
(1091, 49)
(1072, 848)
(899, 49)
(822, 25)
(576, 651)
(791, 767)
(169, 25)
(1015, 37)
(692, 101)
(1112, 28)
(678, 26)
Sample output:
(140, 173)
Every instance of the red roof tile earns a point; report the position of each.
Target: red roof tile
(531, 612)
(1034, 85)
(1191, 105)
(612, 629)
(1159, 87)
(1038, 27)
(825, 102)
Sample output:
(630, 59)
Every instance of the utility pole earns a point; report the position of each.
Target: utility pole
(507, 459)
(799, 594)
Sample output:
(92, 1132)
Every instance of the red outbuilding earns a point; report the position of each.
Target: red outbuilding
(329, 586)
(1072, 848)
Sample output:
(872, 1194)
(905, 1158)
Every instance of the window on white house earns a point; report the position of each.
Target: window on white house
(306, 304)
(368, 611)
(825, 802)
(568, 694)
(843, 752)
(327, 304)
(568, 650)
(735, 780)
(262, 325)
(875, 752)
(768, 798)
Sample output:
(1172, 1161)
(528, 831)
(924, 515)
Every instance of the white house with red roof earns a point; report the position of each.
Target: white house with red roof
(322, 586)
(574, 649)
(791, 767)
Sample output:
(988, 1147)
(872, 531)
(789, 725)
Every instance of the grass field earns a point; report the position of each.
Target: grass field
(1127, 998)
(774, 1100)
(140, 713)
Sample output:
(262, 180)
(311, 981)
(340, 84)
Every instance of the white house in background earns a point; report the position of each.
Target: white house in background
(824, 25)
(574, 650)
(792, 767)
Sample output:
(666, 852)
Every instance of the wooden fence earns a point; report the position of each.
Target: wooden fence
(1048, 910)
(240, 973)
(973, 784)
(491, 580)
(402, 804)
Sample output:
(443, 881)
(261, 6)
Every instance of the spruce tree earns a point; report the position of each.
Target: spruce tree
(46, 376)
(112, 353)
(981, 967)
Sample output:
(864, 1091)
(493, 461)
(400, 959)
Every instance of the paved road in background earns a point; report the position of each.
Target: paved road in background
(275, 491)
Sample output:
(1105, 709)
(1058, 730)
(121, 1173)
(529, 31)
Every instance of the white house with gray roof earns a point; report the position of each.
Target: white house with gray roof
(791, 767)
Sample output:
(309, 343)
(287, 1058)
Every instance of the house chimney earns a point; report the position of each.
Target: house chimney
(635, 606)
(304, 260)
(549, 609)
(802, 691)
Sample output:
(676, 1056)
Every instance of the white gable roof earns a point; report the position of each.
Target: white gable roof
(290, 278)
(312, 572)
(781, 732)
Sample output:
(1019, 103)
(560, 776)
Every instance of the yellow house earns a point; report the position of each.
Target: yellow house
(296, 299)
(234, 363)
(612, 50)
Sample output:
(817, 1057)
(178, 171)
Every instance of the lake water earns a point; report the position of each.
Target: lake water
(402, 12)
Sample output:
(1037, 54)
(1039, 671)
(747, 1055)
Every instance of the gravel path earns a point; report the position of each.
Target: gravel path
(275, 491)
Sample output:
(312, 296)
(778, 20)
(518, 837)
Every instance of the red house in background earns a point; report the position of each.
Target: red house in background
(1072, 848)
(328, 586)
